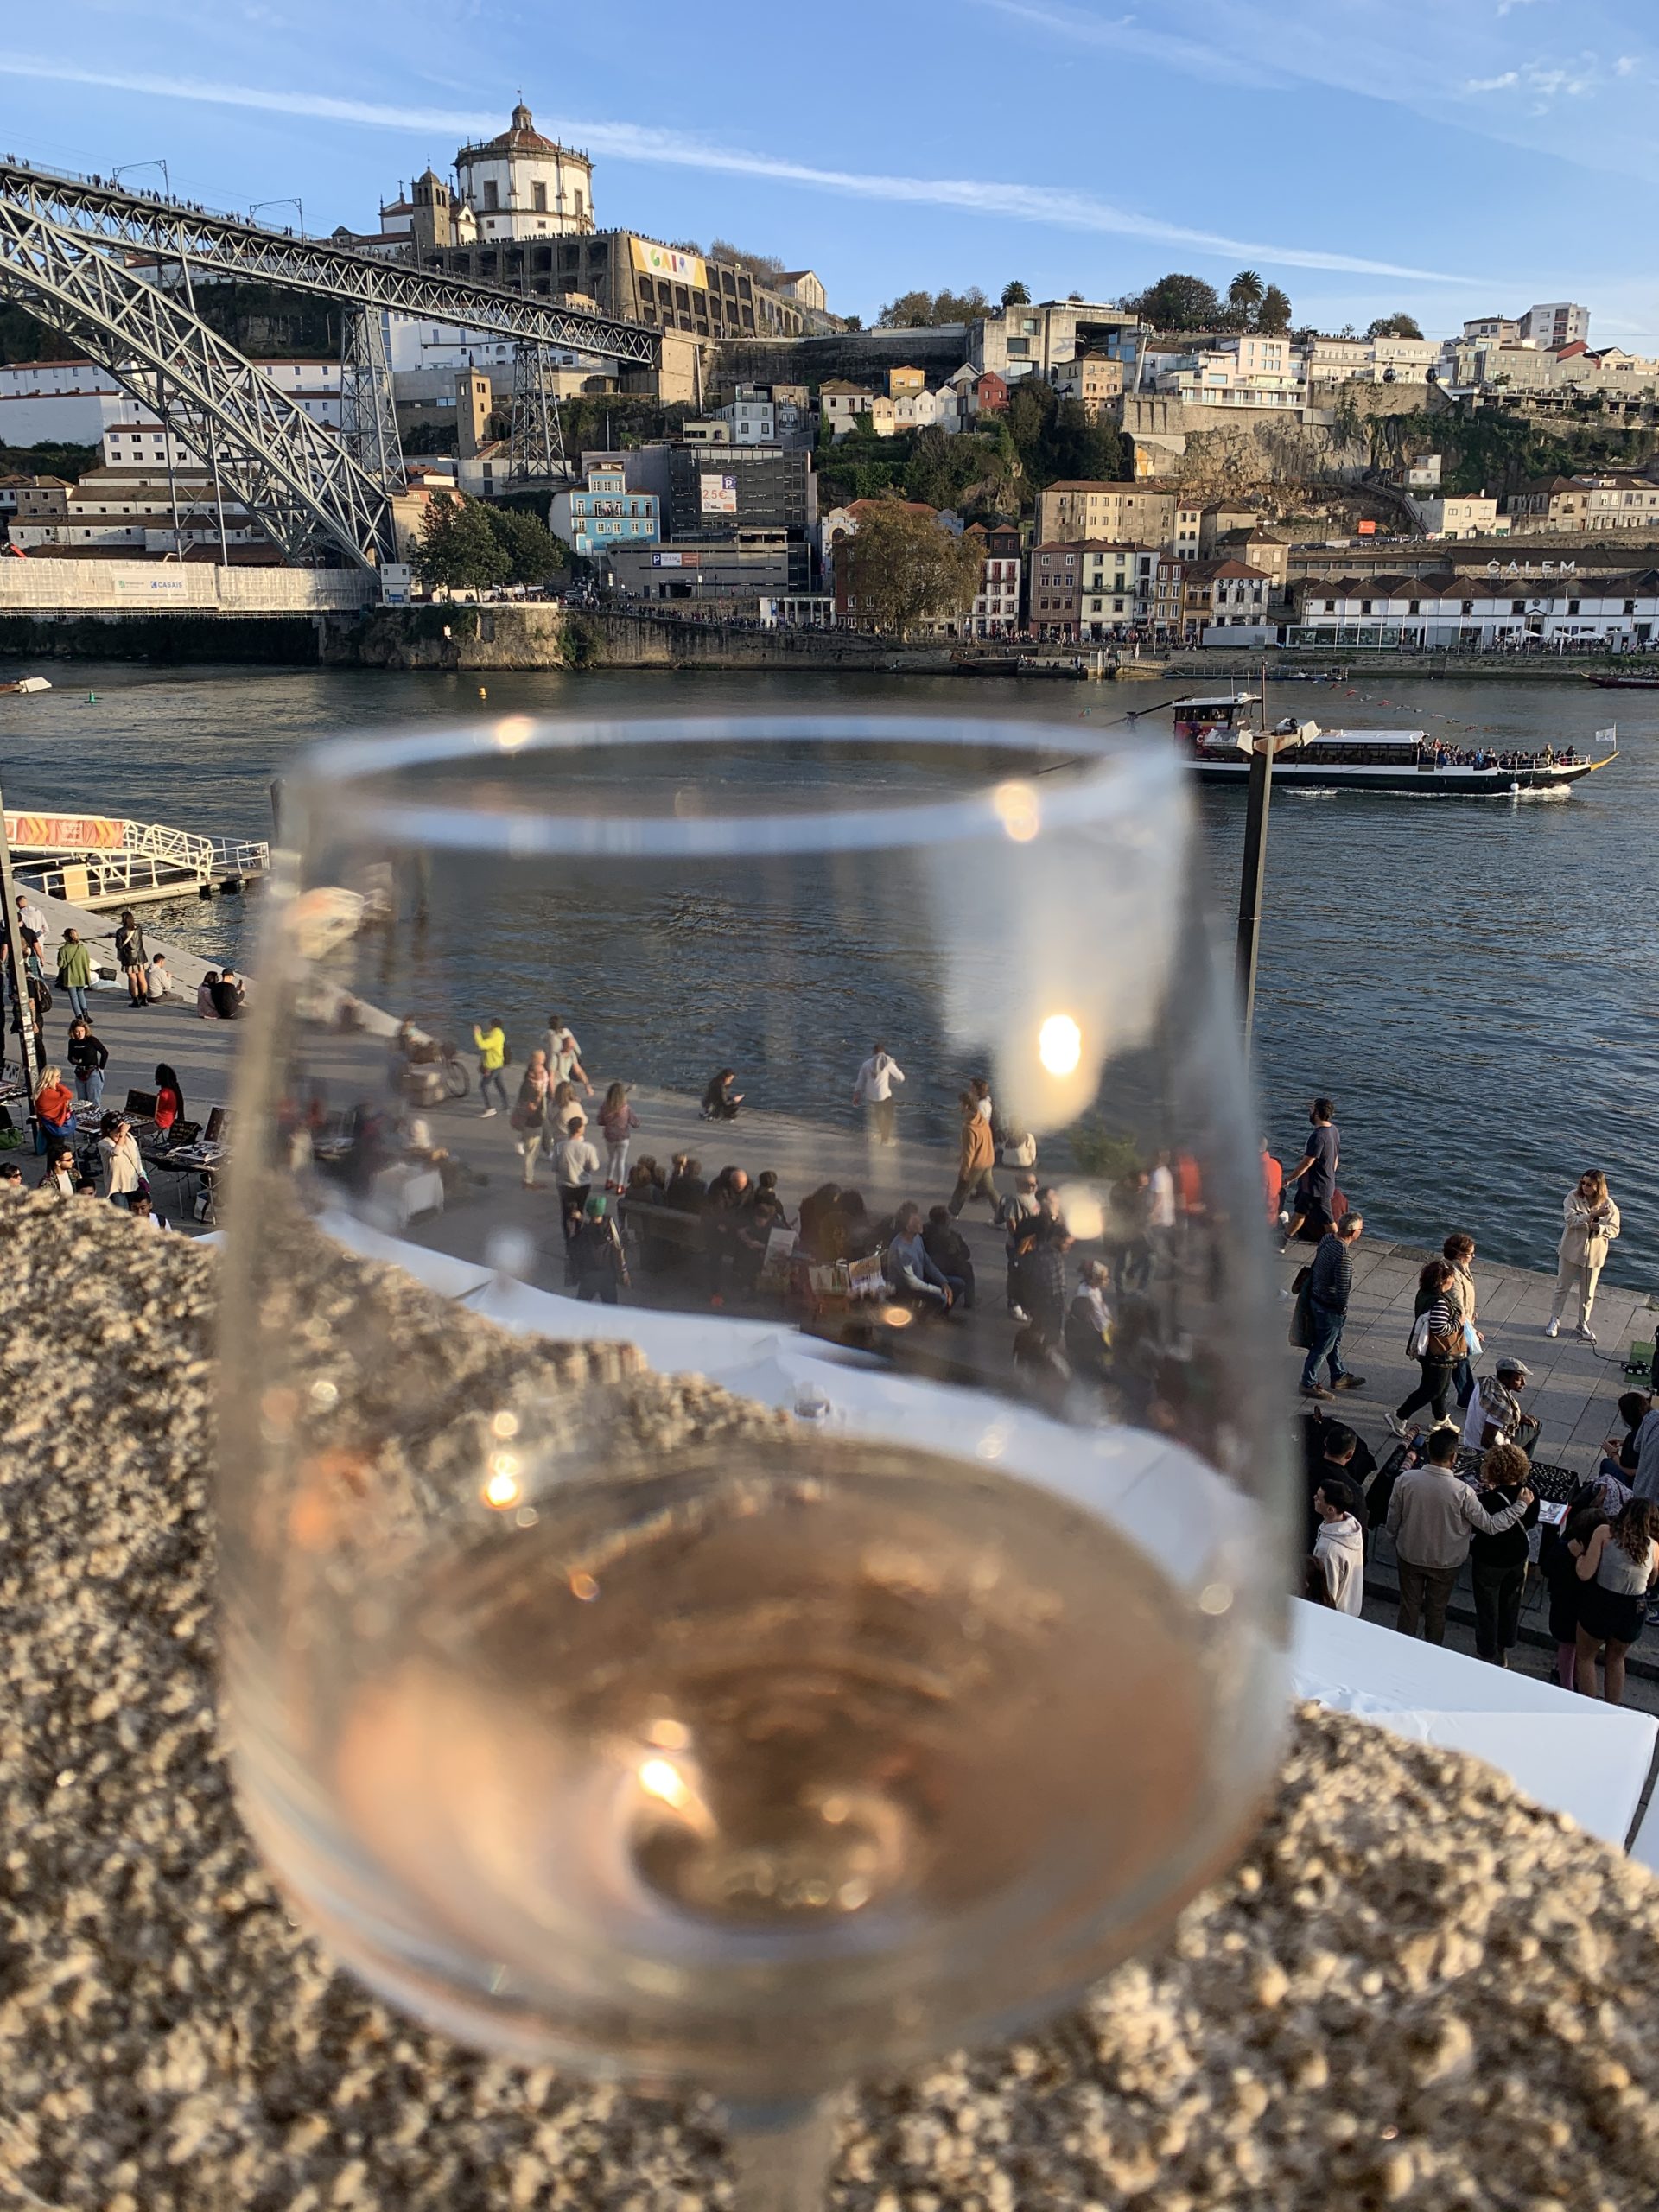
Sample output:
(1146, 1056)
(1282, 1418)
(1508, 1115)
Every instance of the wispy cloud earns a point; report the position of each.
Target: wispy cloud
(1051, 205)
(1569, 82)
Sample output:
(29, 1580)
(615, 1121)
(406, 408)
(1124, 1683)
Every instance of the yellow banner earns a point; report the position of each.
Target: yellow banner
(668, 260)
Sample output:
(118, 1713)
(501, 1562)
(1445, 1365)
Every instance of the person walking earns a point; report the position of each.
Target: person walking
(1314, 1175)
(872, 1088)
(32, 915)
(1617, 1568)
(1435, 1343)
(617, 1122)
(1329, 1286)
(530, 1115)
(1021, 1206)
(1498, 1565)
(75, 971)
(975, 1160)
(574, 1164)
(130, 958)
(1432, 1515)
(88, 1056)
(564, 1054)
(492, 1042)
(1339, 1545)
(1160, 1212)
(1590, 1223)
(1458, 1253)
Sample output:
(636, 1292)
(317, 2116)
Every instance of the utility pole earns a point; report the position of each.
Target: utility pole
(19, 974)
(1253, 873)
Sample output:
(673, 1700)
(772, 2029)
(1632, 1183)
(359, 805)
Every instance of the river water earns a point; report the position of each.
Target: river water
(1477, 983)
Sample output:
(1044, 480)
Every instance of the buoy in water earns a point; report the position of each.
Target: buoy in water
(91, 699)
(483, 692)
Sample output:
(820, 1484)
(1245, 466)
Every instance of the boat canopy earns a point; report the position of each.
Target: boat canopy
(1405, 739)
(1226, 701)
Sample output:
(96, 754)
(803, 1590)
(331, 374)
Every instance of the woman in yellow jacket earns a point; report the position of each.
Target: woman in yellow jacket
(492, 1042)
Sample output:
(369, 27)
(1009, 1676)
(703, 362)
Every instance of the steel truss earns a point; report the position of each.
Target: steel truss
(297, 478)
(221, 245)
(368, 419)
(535, 445)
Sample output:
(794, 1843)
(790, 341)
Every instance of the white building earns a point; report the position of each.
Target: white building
(1247, 371)
(1555, 323)
(1444, 516)
(750, 416)
(522, 186)
(1517, 607)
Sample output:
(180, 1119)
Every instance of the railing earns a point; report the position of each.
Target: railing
(153, 858)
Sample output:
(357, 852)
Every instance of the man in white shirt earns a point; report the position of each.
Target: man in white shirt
(1160, 1211)
(563, 1055)
(32, 917)
(574, 1162)
(873, 1087)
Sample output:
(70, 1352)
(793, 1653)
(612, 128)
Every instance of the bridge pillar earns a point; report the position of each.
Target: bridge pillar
(368, 420)
(536, 447)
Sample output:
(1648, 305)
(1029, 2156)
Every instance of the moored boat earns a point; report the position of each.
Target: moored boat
(24, 685)
(1625, 683)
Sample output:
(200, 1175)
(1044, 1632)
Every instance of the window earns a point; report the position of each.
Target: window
(1365, 607)
(1413, 606)
(1330, 606)
(1573, 606)
(1630, 606)
(491, 198)
(1518, 607)
(538, 197)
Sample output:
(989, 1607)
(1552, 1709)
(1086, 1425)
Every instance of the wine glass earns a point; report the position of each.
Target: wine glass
(871, 1665)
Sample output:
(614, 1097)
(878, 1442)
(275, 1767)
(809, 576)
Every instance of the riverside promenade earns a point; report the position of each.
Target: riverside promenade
(1573, 1389)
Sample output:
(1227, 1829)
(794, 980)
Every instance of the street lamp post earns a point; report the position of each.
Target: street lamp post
(19, 974)
(116, 176)
(292, 200)
(1253, 874)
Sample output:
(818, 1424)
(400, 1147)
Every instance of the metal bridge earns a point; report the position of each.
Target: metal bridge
(104, 860)
(88, 258)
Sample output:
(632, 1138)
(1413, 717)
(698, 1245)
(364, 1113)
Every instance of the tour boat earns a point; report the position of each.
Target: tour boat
(1626, 682)
(1220, 735)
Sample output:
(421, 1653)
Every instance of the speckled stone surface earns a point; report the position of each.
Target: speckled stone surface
(1417, 1989)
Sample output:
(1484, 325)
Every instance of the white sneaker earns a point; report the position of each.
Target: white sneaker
(488, 1115)
(1585, 1336)
(1019, 1313)
(1552, 1327)
(1397, 1425)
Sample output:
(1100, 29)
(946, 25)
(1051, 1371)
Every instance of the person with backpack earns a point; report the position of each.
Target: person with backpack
(131, 959)
(1436, 1342)
(75, 971)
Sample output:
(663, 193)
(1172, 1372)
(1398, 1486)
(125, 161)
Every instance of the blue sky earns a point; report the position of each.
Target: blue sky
(1445, 157)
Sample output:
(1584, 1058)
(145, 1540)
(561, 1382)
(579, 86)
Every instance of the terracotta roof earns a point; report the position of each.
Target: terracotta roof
(520, 136)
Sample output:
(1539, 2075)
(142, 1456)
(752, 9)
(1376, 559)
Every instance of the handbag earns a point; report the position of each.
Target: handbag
(1472, 1346)
(1301, 1318)
(1417, 1342)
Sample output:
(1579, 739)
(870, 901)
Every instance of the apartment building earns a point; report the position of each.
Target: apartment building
(1141, 513)
(996, 611)
(1583, 504)
(1054, 591)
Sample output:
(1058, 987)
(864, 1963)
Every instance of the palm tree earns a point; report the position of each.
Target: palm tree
(1244, 294)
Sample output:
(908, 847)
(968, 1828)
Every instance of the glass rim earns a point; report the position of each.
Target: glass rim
(1115, 781)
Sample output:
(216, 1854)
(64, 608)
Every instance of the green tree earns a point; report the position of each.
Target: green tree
(929, 310)
(1394, 326)
(533, 553)
(766, 268)
(1273, 316)
(1015, 295)
(970, 471)
(906, 569)
(1179, 302)
(1244, 297)
(457, 547)
(1055, 438)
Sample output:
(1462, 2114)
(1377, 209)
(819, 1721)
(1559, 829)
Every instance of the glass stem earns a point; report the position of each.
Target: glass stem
(780, 2154)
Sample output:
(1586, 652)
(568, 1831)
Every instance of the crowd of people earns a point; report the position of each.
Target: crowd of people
(89, 1151)
(1458, 1490)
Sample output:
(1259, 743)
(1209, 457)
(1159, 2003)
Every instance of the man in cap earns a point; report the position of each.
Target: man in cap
(1495, 1415)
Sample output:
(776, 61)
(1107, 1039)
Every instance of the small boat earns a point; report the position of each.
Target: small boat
(1221, 736)
(1625, 683)
(24, 685)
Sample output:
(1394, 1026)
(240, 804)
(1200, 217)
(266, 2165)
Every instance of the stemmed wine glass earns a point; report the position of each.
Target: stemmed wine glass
(869, 1668)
